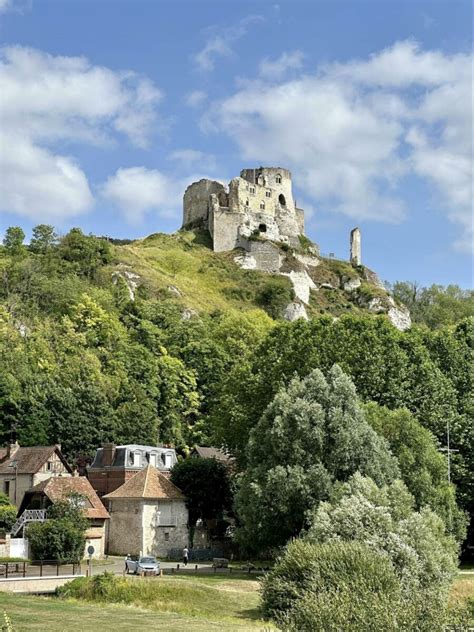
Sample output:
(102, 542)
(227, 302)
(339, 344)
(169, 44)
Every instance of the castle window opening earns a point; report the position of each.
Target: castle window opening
(246, 202)
(268, 193)
(278, 179)
(281, 199)
(252, 189)
(262, 205)
(262, 228)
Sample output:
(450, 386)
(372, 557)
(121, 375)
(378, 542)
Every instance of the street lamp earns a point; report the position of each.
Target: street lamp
(14, 464)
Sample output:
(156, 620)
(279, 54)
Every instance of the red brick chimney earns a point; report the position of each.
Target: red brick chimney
(108, 453)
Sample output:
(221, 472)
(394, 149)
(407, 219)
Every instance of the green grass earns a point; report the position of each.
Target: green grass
(168, 603)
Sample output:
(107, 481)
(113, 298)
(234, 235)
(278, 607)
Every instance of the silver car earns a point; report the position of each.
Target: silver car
(144, 565)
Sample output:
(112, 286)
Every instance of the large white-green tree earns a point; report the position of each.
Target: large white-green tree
(311, 435)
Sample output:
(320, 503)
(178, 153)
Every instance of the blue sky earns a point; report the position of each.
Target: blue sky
(110, 108)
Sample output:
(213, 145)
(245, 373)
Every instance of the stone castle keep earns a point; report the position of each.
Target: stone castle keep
(259, 203)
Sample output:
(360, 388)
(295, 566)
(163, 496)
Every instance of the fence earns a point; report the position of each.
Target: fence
(40, 568)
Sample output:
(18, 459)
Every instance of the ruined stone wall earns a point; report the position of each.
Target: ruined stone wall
(196, 200)
(224, 228)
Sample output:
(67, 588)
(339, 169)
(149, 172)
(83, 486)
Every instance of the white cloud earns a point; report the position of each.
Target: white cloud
(47, 100)
(220, 41)
(277, 68)
(195, 98)
(138, 191)
(188, 158)
(352, 131)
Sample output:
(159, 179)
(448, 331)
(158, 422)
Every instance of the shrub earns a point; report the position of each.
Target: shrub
(342, 586)
(275, 296)
(7, 516)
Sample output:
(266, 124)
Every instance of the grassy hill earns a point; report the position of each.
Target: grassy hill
(184, 267)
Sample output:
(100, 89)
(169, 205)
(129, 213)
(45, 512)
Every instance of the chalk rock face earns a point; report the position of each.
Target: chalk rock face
(399, 315)
(308, 260)
(351, 284)
(294, 311)
(132, 281)
(246, 261)
(188, 313)
(302, 284)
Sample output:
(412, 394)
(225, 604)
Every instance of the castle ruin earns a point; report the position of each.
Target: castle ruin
(258, 204)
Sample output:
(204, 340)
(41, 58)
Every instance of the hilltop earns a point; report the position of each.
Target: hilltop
(182, 267)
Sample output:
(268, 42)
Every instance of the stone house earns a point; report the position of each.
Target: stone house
(23, 468)
(114, 465)
(47, 492)
(148, 515)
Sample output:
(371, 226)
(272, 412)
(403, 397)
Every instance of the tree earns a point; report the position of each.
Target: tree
(43, 239)
(368, 561)
(207, 487)
(13, 241)
(62, 536)
(422, 467)
(312, 435)
(86, 253)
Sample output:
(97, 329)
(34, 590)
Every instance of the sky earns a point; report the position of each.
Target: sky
(110, 108)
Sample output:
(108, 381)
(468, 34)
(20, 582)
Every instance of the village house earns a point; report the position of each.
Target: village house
(47, 492)
(148, 515)
(114, 465)
(22, 468)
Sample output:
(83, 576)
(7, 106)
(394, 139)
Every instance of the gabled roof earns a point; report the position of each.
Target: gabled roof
(29, 460)
(59, 488)
(212, 453)
(148, 483)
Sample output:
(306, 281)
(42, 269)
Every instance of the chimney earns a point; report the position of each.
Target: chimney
(12, 448)
(108, 453)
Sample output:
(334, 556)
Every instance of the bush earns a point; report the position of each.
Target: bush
(7, 517)
(342, 586)
(59, 540)
(275, 296)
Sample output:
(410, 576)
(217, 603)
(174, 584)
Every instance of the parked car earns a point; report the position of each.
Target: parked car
(144, 565)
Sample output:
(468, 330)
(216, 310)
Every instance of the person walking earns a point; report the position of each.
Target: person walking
(185, 556)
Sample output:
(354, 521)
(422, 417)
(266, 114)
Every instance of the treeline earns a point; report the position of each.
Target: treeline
(81, 364)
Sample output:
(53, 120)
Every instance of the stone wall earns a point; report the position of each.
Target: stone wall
(224, 228)
(196, 200)
(159, 538)
(125, 526)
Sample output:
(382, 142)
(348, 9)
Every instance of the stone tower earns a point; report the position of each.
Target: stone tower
(355, 247)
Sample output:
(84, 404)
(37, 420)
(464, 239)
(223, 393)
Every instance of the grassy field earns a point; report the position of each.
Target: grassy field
(194, 605)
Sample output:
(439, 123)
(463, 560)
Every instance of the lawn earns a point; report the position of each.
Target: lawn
(180, 603)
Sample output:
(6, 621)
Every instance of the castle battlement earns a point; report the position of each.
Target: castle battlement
(257, 203)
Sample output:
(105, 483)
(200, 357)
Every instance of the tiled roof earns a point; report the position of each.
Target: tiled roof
(28, 460)
(212, 453)
(59, 487)
(148, 483)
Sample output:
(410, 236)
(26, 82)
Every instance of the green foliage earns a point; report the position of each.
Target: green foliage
(422, 467)
(59, 540)
(85, 253)
(207, 487)
(311, 435)
(435, 306)
(44, 239)
(275, 296)
(62, 536)
(13, 241)
(7, 517)
(4, 499)
(367, 562)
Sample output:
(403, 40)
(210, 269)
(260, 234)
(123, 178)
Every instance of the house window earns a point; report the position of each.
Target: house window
(167, 537)
(252, 189)
(262, 205)
(278, 179)
(268, 193)
(49, 466)
(136, 459)
(153, 458)
(6, 487)
(168, 460)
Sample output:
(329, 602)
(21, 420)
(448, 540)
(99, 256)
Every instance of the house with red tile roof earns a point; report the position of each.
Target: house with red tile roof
(47, 492)
(148, 515)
